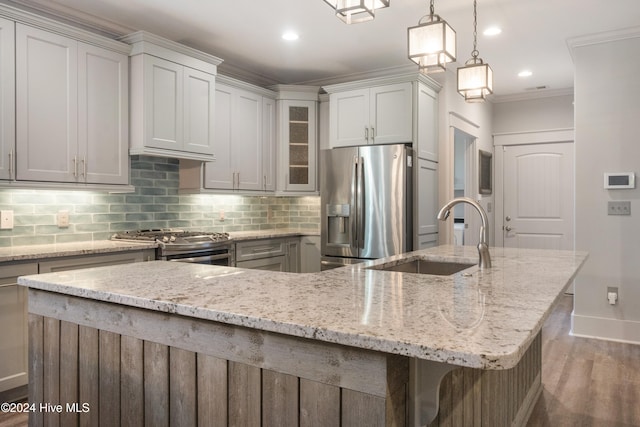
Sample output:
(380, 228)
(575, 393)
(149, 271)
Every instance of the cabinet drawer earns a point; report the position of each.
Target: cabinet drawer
(277, 263)
(257, 249)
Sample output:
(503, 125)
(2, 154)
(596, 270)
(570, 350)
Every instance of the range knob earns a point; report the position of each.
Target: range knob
(165, 239)
(172, 238)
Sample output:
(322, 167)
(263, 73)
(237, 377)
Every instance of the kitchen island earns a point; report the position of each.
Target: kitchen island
(163, 343)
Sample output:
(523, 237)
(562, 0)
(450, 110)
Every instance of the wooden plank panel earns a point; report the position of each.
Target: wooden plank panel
(131, 382)
(88, 372)
(244, 395)
(279, 399)
(319, 404)
(362, 410)
(446, 404)
(397, 400)
(156, 384)
(109, 360)
(51, 369)
(36, 367)
(69, 373)
(343, 366)
(212, 391)
(457, 397)
(182, 388)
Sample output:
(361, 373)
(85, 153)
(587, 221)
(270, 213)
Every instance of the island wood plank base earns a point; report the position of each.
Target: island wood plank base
(135, 367)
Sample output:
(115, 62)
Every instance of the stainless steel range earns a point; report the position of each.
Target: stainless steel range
(186, 246)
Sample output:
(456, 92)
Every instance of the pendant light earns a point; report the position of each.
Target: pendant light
(355, 11)
(475, 79)
(432, 43)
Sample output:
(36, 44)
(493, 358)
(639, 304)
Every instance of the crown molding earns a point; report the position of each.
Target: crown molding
(527, 96)
(57, 11)
(604, 37)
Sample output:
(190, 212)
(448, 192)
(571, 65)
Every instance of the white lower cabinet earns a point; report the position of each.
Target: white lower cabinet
(13, 331)
(278, 254)
(13, 311)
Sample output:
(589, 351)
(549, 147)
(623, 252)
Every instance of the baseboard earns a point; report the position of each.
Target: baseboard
(14, 395)
(626, 331)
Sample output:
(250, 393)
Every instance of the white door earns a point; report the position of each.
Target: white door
(103, 114)
(538, 196)
(164, 105)
(391, 114)
(199, 111)
(46, 106)
(349, 118)
(7, 99)
(246, 154)
(219, 173)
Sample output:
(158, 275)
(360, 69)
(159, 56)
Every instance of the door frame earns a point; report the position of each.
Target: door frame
(551, 136)
(457, 121)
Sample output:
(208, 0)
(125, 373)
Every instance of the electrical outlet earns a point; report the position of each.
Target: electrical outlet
(612, 295)
(6, 220)
(619, 208)
(221, 215)
(63, 219)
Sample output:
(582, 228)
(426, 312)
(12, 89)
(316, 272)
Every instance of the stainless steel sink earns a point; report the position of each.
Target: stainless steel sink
(422, 266)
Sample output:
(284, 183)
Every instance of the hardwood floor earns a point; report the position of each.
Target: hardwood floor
(586, 382)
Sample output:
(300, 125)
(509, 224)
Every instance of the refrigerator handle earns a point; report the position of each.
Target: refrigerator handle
(354, 214)
(361, 206)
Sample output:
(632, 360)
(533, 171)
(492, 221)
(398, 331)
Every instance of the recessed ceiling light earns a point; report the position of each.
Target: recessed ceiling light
(525, 73)
(290, 36)
(492, 31)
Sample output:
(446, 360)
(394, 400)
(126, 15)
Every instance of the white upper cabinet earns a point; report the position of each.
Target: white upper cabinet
(7, 100)
(172, 98)
(297, 139)
(376, 115)
(71, 110)
(244, 148)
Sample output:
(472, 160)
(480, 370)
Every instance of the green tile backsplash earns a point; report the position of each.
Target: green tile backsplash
(154, 204)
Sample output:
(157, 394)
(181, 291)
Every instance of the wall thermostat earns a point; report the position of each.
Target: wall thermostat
(622, 180)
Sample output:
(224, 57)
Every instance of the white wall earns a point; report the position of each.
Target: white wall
(480, 115)
(607, 115)
(554, 112)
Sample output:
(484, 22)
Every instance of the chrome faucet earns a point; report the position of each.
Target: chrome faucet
(483, 246)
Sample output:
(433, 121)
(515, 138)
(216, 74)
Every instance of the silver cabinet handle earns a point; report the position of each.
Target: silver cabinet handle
(75, 166)
(373, 133)
(83, 169)
(366, 134)
(10, 164)
(508, 218)
(508, 228)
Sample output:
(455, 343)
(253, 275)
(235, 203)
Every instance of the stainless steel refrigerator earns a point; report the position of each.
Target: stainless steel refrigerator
(366, 203)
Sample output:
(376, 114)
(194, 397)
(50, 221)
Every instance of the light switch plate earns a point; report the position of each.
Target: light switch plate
(619, 208)
(63, 219)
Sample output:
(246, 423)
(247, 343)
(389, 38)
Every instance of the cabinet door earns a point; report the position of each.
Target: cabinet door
(349, 118)
(427, 117)
(163, 100)
(7, 99)
(268, 144)
(246, 140)
(199, 110)
(90, 261)
(13, 326)
(46, 106)
(103, 115)
(427, 202)
(299, 145)
(293, 256)
(391, 114)
(219, 173)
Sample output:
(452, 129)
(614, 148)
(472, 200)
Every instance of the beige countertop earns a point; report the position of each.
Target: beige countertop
(36, 252)
(483, 320)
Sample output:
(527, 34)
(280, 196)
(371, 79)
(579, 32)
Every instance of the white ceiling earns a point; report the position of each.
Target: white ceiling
(247, 35)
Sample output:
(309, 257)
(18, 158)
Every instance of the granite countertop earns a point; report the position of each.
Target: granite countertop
(483, 320)
(238, 236)
(38, 252)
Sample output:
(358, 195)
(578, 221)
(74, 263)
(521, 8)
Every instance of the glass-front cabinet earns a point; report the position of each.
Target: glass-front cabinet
(297, 144)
